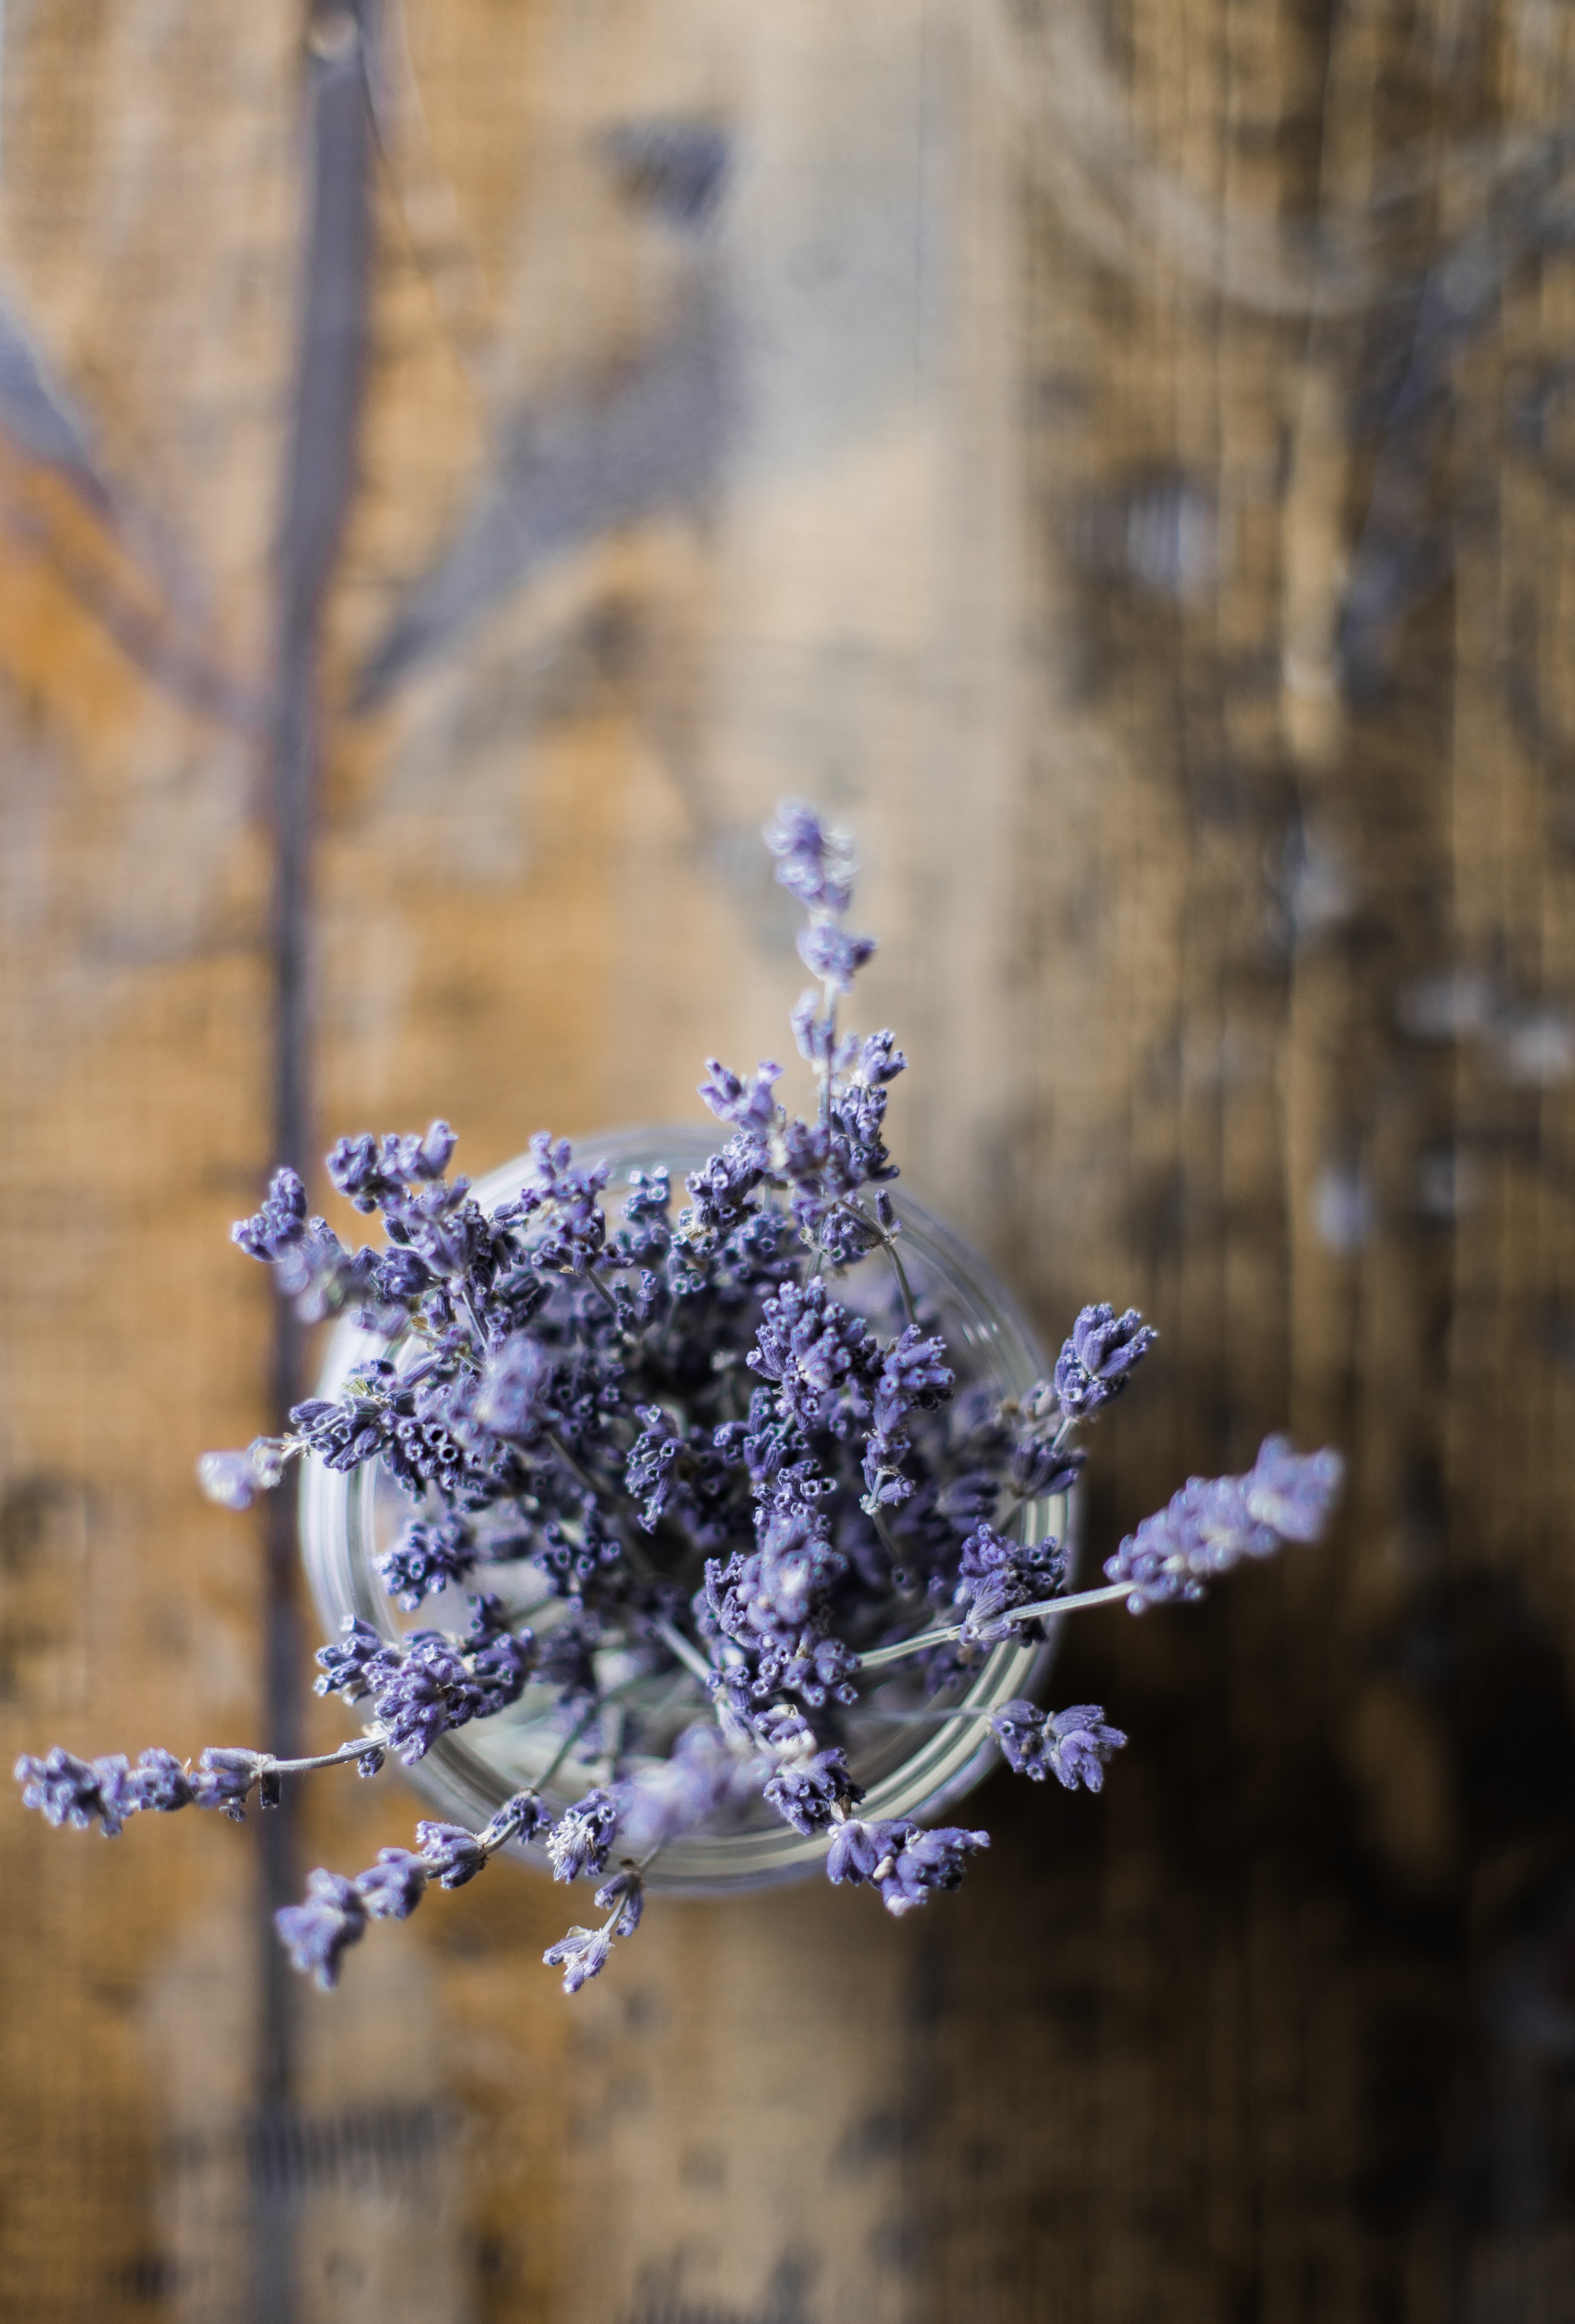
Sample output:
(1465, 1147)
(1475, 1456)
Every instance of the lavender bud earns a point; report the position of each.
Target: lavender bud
(68, 1790)
(395, 1886)
(581, 1839)
(833, 954)
(1096, 1362)
(581, 1955)
(160, 1783)
(318, 1931)
(223, 1778)
(626, 1890)
(813, 863)
(452, 1855)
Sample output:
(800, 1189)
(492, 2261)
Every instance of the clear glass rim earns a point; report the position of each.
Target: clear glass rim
(947, 1758)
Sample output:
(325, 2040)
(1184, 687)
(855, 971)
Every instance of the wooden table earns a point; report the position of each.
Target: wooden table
(436, 531)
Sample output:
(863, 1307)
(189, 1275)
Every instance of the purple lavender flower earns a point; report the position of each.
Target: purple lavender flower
(342, 1434)
(1019, 1728)
(813, 1034)
(821, 1355)
(1072, 1745)
(809, 1793)
(581, 1955)
(907, 1864)
(427, 1682)
(855, 1850)
(913, 1374)
(223, 1778)
(227, 1477)
(1039, 1468)
(775, 1604)
(374, 1174)
(159, 1784)
(1291, 1491)
(515, 1400)
(833, 953)
(423, 1693)
(581, 1839)
(722, 1190)
(425, 1558)
(996, 1574)
(814, 865)
(321, 1276)
(451, 1854)
(750, 1107)
(318, 1931)
(350, 1668)
(648, 1471)
(68, 1790)
(281, 1223)
(519, 1818)
(1214, 1522)
(1096, 1363)
(395, 1886)
(924, 1864)
(627, 1891)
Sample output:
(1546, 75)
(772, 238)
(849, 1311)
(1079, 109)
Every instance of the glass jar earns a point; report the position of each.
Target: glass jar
(914, 1757)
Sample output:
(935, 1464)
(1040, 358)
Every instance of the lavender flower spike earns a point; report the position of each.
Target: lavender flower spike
(68, 1790)
(1096, 1362)
(1214, 1522)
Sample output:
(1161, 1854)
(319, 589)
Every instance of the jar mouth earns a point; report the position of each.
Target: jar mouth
(914, 1758)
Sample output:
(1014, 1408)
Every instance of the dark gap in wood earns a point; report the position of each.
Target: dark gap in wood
(318, 483)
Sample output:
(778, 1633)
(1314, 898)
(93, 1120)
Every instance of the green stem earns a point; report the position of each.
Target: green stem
(1045, 1608)
(677, 1643)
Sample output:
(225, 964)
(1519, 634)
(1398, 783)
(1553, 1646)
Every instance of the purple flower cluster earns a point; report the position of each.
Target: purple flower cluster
(904, 1862)
(1072, 1745)
(744, 1480)
(427, 1682)
(1214, 1522)
(67, 1790)
(335, 1910)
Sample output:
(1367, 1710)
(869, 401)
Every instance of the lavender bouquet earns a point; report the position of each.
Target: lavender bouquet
(730, 1501)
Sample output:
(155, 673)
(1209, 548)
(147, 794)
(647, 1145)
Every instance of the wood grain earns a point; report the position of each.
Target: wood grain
(1120, 459)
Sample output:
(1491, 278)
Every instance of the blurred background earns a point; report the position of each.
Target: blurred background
(460, 462)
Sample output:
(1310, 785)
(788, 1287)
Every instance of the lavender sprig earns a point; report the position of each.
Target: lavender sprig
(318, 1932)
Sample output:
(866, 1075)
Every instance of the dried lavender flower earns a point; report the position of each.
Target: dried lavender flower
(1214, 1522)
(811, 1794)
(905, 1863)
(581, 1955)
(224, 1778)
(68, 1790)
(580, 1840)
(626, 1891)
(395, 1886)
(1072, 1745)
(318, 1931)
(1096, 1363)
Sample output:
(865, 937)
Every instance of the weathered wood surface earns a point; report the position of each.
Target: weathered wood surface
(1178, 600)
